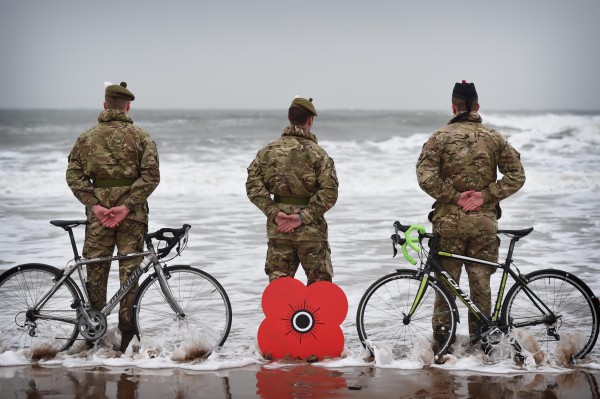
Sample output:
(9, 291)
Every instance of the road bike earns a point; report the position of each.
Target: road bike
(553, 306)
(42, 306)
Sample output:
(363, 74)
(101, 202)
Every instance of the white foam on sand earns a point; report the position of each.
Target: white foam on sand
(462, 360)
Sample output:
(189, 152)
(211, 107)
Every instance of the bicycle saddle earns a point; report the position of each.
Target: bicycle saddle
(516, 233)
(68, 223)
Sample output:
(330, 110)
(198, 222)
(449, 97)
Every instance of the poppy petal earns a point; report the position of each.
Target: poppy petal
(280, 293)
(332, 300)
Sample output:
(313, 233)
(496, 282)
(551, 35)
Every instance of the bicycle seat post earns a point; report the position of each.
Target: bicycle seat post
(73, 244)
(511, 247)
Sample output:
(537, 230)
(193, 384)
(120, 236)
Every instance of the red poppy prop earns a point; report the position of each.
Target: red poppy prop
(301, 321)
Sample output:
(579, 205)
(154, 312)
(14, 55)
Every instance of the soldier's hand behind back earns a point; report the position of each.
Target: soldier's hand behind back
(115, 216)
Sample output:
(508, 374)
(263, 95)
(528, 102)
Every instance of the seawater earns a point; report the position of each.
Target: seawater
(204, 155)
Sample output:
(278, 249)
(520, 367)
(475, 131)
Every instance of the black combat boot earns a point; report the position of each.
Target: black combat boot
(125, 340)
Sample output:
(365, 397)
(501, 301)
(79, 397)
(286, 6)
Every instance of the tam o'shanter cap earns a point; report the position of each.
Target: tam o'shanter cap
(304, 103)
(119, 91)
(464, 91)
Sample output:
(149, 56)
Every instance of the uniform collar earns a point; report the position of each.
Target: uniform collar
(109, 115)
(472, 117)
(299, 132)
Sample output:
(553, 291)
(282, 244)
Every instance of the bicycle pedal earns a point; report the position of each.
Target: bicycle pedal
(488, 348)
(492, 336)
(489, 341)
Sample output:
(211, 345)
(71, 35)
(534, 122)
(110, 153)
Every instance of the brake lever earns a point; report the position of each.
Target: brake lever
(395, 240)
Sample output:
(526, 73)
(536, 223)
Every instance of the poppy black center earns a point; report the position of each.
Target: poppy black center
(303, 321)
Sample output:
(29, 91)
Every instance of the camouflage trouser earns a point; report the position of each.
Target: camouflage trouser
(476, 237)
(284, 257)
(100, 241)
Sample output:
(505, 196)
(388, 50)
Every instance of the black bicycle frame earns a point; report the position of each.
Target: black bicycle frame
(433, 264)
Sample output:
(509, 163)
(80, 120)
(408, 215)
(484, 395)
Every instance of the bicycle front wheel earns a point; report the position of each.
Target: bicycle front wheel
(381, 316)
(574, 307)
(207, 320)
(46, 331)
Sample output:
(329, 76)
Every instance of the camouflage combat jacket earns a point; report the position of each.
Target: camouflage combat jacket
(296, 166)
(466, 156)
(114, 149)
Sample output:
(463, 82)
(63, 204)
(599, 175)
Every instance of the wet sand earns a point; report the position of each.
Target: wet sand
(297, 381)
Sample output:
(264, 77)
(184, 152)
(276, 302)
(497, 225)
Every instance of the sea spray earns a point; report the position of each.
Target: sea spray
(42, 350)
(189, 351)
(568, 345)
(531, 349)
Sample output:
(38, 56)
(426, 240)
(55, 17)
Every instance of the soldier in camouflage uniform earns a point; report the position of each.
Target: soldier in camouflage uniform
(113, 169)
(293, 182)
(458, 166)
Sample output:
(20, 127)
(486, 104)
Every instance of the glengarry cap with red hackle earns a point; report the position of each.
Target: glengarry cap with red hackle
(465, 91)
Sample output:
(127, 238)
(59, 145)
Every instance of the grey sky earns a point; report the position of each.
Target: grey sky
(540, 54)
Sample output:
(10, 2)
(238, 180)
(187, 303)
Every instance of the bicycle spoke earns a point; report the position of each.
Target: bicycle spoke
(206, 307)
(570, 301)
(20, 289)
(384, 306)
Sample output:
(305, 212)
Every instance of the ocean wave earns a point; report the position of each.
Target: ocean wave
(559, 153)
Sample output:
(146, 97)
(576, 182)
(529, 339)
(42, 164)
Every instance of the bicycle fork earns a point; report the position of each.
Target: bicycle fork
(420, 294)
(162, 281)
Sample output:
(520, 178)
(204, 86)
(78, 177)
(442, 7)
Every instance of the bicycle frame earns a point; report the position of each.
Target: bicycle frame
(83, 304)
(432, 264)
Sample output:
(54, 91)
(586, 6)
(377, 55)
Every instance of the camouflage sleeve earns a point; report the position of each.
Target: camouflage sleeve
(327, 194)
(513, 175)
(257, 192)
(428, 173)
(148, 179)
(78, 182)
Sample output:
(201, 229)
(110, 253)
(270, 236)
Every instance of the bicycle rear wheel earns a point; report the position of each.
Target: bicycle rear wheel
(381, 312)
(20, 328)
(570, 300)
(207, 309)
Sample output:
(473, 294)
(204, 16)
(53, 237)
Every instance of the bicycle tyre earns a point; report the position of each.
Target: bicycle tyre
(380, 314)
(207, 308)
(568, 297)
(20, 288)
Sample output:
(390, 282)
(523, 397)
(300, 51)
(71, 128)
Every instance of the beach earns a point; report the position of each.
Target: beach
(291, 381)
(204, 155)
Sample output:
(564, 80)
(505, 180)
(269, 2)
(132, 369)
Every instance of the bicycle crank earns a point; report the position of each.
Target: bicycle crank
(93, 331)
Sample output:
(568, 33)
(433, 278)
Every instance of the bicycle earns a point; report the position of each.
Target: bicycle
(43, 306)
(548, 304)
